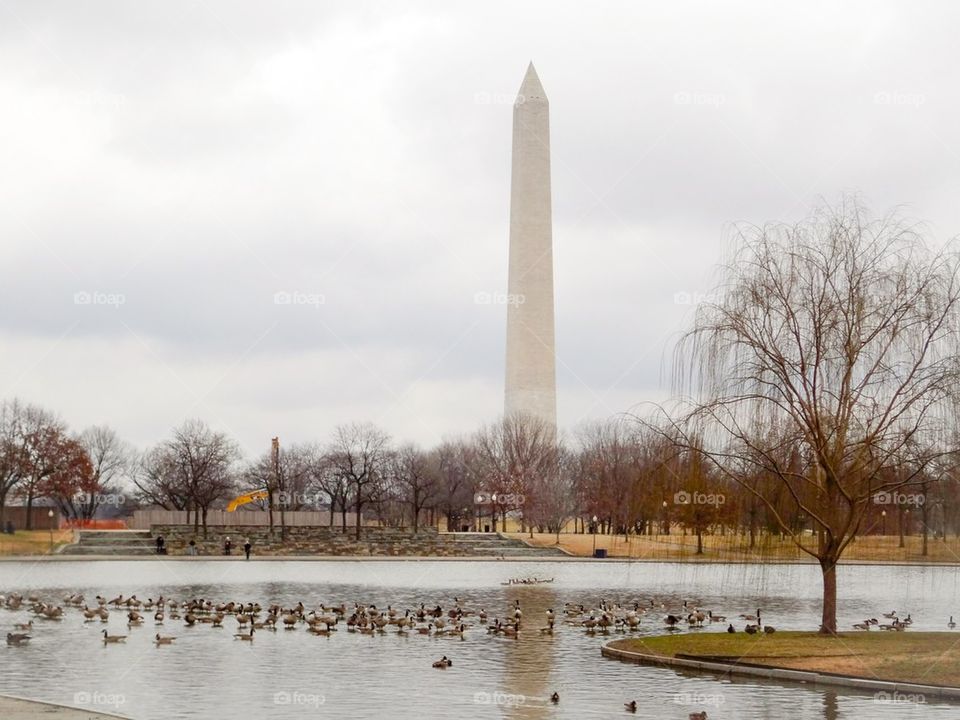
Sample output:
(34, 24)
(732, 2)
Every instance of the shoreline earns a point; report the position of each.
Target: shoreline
(14, 707)
(817, 678)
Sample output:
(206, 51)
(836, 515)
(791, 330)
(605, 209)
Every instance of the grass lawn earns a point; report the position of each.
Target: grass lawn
(736, 548)
(931, 658)
(33, 542)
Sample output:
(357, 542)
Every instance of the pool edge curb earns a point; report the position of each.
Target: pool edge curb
(809, 677)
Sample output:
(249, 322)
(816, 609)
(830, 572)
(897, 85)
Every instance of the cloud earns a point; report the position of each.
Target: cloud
(196, 160)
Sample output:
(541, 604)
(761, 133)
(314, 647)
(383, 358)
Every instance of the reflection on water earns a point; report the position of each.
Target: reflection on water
(292, 674)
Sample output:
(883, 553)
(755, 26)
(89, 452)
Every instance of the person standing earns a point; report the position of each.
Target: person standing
(227, 546)
(160, 545)
(247, 547)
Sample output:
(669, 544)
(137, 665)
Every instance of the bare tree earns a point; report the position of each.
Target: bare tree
(416, 476)
(13, 452)
(357, 454)
(159, 482)
(284, 474)
(204, 461)
(519, 456)
(458, 478)
(833, 343)
(110, 459)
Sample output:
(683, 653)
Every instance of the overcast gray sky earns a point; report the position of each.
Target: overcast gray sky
(166, 168)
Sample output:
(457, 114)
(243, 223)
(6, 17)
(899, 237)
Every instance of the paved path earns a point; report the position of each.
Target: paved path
(19, 709)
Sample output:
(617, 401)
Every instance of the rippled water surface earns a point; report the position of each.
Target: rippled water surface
(293, 674)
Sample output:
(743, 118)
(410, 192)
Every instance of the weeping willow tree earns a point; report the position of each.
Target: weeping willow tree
(823, 373)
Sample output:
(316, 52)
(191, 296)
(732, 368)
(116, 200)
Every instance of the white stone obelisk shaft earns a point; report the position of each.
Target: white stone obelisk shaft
(531, 385)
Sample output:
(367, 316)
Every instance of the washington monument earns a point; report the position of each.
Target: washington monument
(531, 384)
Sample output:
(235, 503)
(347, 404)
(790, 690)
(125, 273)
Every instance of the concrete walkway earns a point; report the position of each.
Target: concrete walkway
(13, 708)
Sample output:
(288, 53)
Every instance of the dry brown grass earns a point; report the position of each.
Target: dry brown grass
(677, 546)
(33, 542)
(929, 658)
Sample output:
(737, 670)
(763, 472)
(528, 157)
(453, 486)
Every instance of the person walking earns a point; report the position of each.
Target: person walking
(247, 547)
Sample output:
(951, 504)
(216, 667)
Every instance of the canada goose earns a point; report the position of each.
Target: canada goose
(631, 706)
(951, 624)
(112, 638)
(750, 629)
(698, 715)
(730, 628)
(555, 698)
(510, 630)
(751, 617)
(242, 636)
(17, 638)
(164, 639)
(865, 625)
(24, 626)
(769, 629)
(443, 663)
(890, 615)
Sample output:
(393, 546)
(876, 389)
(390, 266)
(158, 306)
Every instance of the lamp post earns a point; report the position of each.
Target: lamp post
(50, 515)
(666, 522)
(883, 522)
(594, 535)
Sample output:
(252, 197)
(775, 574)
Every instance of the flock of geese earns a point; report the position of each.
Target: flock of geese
(896, 623)
(247, 618)
(250, 617)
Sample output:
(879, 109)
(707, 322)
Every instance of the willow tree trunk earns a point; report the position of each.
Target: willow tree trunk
(828, 621)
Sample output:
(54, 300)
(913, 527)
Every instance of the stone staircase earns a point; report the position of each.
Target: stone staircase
(112, 542)
(496, 545)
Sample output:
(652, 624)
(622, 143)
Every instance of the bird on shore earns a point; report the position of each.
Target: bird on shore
(630, 706)
(951, 624)
(731, 629)
(769, 629)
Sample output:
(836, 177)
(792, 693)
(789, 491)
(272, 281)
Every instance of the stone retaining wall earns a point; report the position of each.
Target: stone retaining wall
(312, 541)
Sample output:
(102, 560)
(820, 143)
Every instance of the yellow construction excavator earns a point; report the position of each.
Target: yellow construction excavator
(247, 498)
